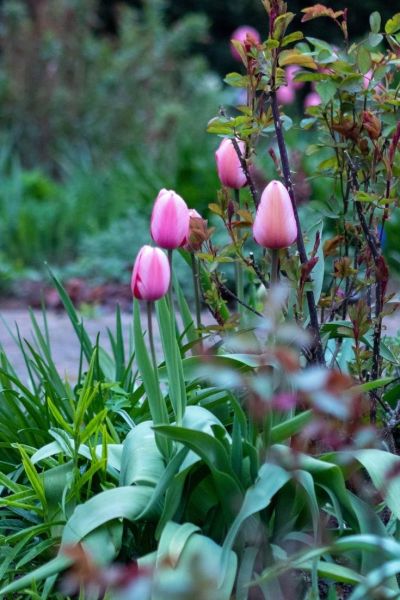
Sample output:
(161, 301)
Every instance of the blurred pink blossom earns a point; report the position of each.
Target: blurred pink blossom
(243, 34)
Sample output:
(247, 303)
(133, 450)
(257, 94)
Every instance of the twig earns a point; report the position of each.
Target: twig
(246, 171)
(227, 291)
(375, 250)
(257, 270)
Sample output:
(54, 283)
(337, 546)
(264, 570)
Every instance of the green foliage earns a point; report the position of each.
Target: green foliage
(90, 458)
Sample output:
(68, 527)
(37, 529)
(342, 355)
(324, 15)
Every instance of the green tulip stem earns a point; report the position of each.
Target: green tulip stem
(150, 333)
(274, 266)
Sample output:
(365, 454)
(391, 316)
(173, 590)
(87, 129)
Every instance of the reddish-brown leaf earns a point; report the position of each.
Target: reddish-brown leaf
(320, 10)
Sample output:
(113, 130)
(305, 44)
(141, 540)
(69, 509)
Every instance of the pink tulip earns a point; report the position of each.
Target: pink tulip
(229, 169)
(312, 99)
(243, 34)
(275, 225)
(368, 77)
(286, 94)
(169, 220)
(151, 274)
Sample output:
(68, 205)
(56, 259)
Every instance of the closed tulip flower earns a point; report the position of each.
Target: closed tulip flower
(169, 220)
(151, 274)
(229, 169)
(275, 225)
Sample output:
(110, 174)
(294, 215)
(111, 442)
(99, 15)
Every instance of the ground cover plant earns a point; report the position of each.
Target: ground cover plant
(256, 457)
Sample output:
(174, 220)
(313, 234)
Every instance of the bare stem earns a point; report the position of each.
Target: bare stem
(228, 292)
(246, 171)
(239, 266)
(375, 250)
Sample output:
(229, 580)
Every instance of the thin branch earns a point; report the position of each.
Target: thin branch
(375, 250)
(246, 171)
(257, 270)
(232, 295)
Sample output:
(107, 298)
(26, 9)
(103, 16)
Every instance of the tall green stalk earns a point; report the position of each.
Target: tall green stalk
(274, 266)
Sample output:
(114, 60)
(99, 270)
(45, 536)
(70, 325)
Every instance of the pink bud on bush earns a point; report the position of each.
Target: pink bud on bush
(229, 169)
(286, 94)
(312, 99)
(290, 74)
(243, 34)
(151, 274)
(169, 220)
(275, 225)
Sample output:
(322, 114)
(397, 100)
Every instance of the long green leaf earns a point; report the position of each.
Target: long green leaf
(158, 409)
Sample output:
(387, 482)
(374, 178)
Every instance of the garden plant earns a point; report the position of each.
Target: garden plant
(243, 444)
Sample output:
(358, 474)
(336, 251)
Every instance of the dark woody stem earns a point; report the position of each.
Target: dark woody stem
(195, 273)
(317, 351)
(245, 168)
(375, 250)
(222, 287)
(238, 264)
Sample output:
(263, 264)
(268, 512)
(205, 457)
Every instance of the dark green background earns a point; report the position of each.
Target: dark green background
(225, 15)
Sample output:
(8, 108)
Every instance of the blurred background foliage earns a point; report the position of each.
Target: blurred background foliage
(102, 104)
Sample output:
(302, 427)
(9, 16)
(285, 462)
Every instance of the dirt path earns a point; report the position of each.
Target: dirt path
(64, 343)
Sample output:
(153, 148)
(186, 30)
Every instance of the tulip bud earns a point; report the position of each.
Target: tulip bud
(275, 225)
(229, 169)
(198, 232)
(244, 34)
(169, 220)
(372, 124)
(312, 99)
(151, 274)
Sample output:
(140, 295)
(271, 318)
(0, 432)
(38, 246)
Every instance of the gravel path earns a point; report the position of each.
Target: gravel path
(65, 347)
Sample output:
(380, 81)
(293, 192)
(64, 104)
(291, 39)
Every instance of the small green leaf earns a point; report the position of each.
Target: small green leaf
(375, 22)
(366, 197)
(374, 39)
(236, 80)
(291, 38)
(327, 90)
(393, 24)
(364, 60)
